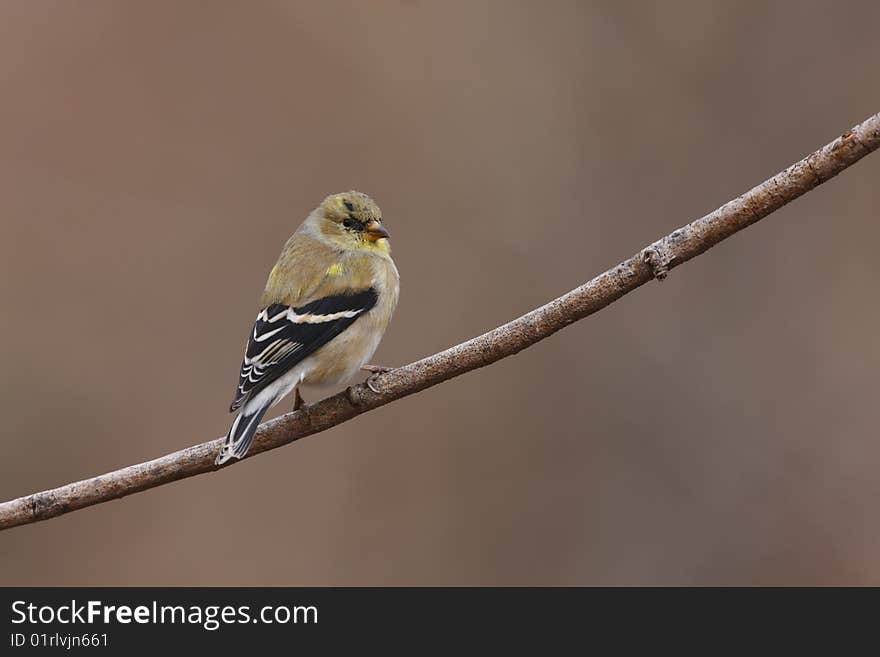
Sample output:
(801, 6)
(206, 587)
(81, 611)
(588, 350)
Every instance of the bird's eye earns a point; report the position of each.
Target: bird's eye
(348, 222)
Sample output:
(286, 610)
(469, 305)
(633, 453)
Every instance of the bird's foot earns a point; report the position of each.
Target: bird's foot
(376, 369)
(375, 372)
(298, 401)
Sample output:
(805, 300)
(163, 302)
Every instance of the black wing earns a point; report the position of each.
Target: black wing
(283, 336)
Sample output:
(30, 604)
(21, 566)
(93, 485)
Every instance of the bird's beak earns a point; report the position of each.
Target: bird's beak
(375, 231)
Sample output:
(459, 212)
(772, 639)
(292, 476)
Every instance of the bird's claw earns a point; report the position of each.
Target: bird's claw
(371, 380)
(375, 372)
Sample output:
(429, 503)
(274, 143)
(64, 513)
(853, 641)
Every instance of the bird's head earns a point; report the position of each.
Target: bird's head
(352, 220)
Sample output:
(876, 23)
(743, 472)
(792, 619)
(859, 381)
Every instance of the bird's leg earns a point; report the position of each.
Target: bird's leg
(298, 402)
(375, 371)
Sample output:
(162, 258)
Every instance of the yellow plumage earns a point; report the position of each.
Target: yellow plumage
(326, 305)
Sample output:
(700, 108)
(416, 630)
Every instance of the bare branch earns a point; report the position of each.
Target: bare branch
(655, 261)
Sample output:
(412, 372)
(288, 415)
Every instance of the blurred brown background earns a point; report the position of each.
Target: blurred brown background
(720, 428)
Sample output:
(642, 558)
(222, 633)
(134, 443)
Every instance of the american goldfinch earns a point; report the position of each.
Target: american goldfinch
(327, 303)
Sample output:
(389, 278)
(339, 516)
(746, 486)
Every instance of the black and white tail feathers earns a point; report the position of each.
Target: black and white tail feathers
(241, 433)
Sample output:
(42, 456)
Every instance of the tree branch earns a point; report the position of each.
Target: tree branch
(655, 261)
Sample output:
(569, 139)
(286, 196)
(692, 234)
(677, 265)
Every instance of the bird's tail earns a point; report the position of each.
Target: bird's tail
(241, 433)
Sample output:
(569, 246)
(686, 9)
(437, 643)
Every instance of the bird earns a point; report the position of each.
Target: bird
(324, 310)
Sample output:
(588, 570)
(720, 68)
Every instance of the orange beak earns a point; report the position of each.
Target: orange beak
(375, 231)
